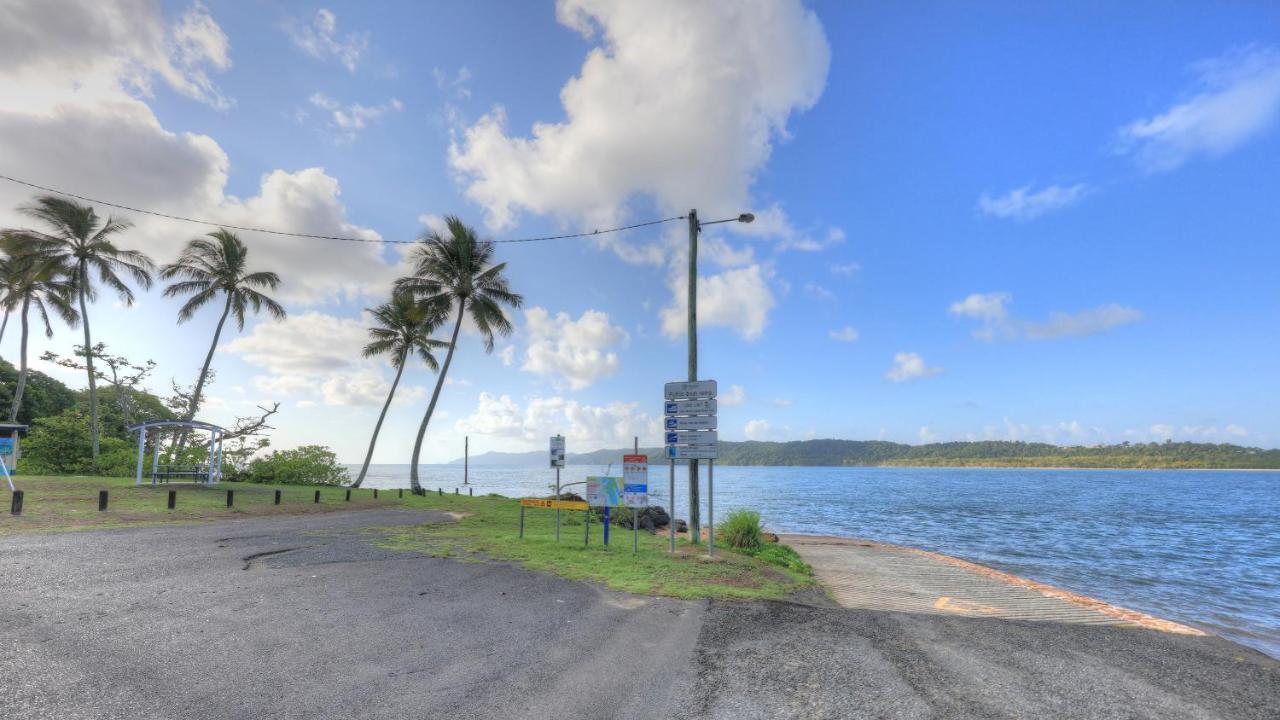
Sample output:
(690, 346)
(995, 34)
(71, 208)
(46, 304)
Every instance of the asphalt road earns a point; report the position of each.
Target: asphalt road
(302, 618)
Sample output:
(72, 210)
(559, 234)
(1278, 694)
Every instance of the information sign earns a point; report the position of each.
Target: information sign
(557, 451)
(690, 452)
(695, 390)
(692, 437)
(692, 422)
(635, 481)
(604, 491)
(554, 504)
(689, 407)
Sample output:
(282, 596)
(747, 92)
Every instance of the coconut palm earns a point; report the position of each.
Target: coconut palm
(455, 272)
(211, 266)
(80, 243)
(29, 282)
(404, 328)
(8, 279)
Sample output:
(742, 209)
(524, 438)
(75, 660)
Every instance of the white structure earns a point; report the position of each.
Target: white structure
(212, 472)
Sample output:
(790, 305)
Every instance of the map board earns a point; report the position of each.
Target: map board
(604, 491)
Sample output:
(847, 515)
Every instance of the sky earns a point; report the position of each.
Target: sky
(993, 220)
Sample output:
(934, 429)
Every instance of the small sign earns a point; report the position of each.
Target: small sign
(554, 504)
(689, 407)
(604, 491)
(693, 422)
(692, 437)
(635, 481)
(557, 451)
(687, 452)
(694, 390)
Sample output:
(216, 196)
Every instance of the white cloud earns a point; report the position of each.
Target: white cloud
(735, 396)
(926, 435)
(585, 427)
(1025, 204)
(1086, 322)
(991, 309)
(579, 351)
(845, 269)
(508, 355)
(319, 39)
(628, 132)
(847, 334)
(739, 299)
(1237, 98)
(459, 85)
(817, 292)
(346, 121)
(757, 430)
(1198, 433)
(311, 342)
(782, 402)
(909, 366)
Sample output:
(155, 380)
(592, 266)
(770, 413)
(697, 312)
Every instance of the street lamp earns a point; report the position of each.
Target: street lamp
(695, 527)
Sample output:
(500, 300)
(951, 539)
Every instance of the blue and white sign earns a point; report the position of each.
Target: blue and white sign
(692, 422)
(689, 407)
(692, 437)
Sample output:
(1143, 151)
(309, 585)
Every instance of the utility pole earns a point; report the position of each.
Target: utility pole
(466, 459)
(695, 528)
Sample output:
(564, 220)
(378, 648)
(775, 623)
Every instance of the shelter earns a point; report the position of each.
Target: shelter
(210, 473)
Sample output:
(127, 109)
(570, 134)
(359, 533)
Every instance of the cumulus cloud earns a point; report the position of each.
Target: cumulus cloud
(346, 121)
(459, 85)
(845, 269)
(991, 310)
(909, 366)
(1235, 98)
(757, 430)
(818, 292)
(628, 132)
(319, 39)
(1198, 433)
(847, 334)
(735, 396)
(1026, 204)
(738, 299)
(578, 351)
(585, 427)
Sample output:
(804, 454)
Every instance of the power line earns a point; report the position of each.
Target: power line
(244, 228)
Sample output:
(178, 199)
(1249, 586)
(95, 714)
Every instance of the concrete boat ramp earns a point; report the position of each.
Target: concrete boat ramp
(875, 576)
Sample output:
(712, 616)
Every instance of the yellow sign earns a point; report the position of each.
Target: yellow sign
(554, 504)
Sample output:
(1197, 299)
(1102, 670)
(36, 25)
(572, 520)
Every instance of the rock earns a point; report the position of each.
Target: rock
(682, 526)
(769, 537)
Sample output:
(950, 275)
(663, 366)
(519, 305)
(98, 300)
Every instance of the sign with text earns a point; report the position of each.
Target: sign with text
(557, 451)
(635, 481)
(693, 390)
(692, 422)
(692, 437)
(554, 504)
(689, 407)
(691, 452)
(604, 491)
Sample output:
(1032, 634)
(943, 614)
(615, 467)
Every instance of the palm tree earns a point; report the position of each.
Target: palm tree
(211, 265)
(404, 328)
(453, 272)
(31, 282)
(80, 243)
(8, 285)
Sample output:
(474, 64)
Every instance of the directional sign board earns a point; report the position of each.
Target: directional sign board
(635, 481)
(694, 390)
(685, 452)
(554, 504)
(692, 437)
(557, 451)
(689, 407)
(692, 422)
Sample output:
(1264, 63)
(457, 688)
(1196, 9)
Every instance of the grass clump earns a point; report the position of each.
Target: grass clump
(741, 530)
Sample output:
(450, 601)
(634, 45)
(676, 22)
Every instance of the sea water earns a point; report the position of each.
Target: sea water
(1198, 547)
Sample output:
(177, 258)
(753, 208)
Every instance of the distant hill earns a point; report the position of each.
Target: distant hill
(991, 453)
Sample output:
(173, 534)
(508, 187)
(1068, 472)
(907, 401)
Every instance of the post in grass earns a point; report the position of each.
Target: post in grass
(102, 500)
(173, 499)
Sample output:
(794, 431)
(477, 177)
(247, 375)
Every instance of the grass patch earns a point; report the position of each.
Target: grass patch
(488, 528)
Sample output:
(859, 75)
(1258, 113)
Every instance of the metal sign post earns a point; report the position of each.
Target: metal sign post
(711, 507)
(557, 462)
(671, 519)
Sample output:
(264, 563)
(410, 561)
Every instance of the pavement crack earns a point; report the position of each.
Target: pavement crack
(248, 559)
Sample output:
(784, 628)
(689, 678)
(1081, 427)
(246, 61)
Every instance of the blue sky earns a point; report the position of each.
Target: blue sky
(1003, 221)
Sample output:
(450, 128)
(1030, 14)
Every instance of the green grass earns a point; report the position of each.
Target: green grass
(487, 529)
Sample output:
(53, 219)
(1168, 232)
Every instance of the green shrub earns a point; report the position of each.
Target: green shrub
(63, 445)
(783, 556)
(741, 530)
(306, 465)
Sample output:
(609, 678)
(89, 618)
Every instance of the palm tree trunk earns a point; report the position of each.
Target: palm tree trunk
(364, 469)
(88, 357)
(435, 395)
(22, 372)
(194, 405)
(4, 324)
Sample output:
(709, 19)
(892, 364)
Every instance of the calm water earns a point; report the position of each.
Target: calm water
(1199, 547)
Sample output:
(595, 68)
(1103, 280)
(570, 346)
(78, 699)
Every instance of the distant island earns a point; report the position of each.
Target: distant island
(987, 453)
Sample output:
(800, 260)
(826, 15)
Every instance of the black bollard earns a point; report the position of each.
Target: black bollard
(277, 497)
(401, 492)
(102, 500)
(471, 492)
(375, 493)
(440, 491)
(317, 496)
(456, 492)
(15, 507)
(173, 499)
(231, 498)
(348, 495)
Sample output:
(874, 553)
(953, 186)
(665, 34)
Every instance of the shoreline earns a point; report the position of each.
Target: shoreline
(1135, 617)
